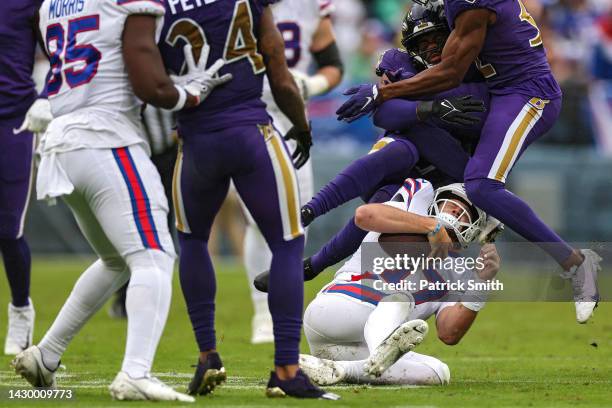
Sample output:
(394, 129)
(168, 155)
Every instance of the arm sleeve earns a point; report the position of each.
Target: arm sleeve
(396, 114)
(456, 7)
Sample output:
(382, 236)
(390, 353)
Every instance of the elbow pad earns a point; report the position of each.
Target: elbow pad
(329, 57)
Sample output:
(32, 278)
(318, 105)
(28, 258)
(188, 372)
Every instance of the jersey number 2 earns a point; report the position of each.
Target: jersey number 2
(239, 44)
(64, 50)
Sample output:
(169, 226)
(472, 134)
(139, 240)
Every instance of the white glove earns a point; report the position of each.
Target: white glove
(310, 85)
(37, 118)
(492, 228)
(199, 81)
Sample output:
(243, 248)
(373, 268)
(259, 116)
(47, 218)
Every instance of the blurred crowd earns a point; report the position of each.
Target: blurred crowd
(577, 35)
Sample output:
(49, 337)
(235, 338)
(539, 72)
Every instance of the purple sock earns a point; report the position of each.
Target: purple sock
(17, 263)
(199, 285)
(364, 175)
(347, 240)
(286, 299)
(492, 197)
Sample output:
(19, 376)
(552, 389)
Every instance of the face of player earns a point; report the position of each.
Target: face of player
(429, 46)
(457, 209)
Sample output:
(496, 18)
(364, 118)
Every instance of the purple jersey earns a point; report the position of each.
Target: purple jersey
(231, 29)
(18, 44)
(512, 59)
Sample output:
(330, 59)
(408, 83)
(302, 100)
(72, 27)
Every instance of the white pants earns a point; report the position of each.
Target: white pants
(341, 329)
(118, 201)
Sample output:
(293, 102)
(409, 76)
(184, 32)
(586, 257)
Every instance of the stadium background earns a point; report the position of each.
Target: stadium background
(565, 176)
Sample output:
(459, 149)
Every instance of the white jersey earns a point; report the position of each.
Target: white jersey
(298, 21)
(89, 89)
(415, 196)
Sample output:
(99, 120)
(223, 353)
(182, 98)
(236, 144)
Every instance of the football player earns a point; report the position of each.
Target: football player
(21, 111)
(104, 62)
(231, 137)
(503, 40)
(429, 129)
(371, 338)
(307, 30)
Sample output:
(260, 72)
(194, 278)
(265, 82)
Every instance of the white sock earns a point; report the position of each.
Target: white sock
(411, 369)
(91, 291)
(257, 259)
(384, 320)
(147, 304)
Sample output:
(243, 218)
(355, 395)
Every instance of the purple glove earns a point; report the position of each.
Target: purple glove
(361, 103)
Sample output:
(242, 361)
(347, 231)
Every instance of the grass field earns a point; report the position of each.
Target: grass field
(517, 354)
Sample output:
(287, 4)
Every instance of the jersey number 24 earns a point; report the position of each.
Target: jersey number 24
(239, 44)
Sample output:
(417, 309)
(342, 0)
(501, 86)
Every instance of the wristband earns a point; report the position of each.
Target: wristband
(182, 99)
(316, 85)
(474, 306)
(435, 230)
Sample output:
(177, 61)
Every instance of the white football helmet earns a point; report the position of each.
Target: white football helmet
(465, 231)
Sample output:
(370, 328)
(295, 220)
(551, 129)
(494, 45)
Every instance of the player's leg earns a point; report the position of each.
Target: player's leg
(268, 187)
(348, 239)
(389, 334)
(389, 156)
(514, 122)
(15, 187)
(411, 369)
(199, 188)
(333, 325)
(257, 258)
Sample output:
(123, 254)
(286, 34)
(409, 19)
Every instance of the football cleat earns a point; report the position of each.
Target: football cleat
(262, 329)
(404, 339)
(208, 375)
(307, 215)
(584, 285)
(297, 387)
(29, 364)
(322, 371)
(20, 328)
(262, 280)
(125, 388)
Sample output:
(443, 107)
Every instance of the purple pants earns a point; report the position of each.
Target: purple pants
(514, 122)
(15, 177)
(256, 160)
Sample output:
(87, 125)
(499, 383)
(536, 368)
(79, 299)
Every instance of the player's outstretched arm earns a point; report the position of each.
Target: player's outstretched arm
(462, 47)
(386, 219)
(453, 322)
(145, 67)
(330, 68)
(284, 89)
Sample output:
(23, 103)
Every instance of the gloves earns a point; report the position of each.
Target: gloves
(37, 118)
(199, 81)
(363, 102)
(451, 110)
(304, 142)
(261, 281)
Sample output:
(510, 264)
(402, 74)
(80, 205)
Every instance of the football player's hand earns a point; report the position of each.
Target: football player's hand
(452, 110)
(440, 241)
(200, 81)
(361, 103)
(301, 81)
(37, 118)
(262, 280)
(303, 139)
(491, 261)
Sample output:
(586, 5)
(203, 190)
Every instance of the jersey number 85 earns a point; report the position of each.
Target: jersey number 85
(63, 49)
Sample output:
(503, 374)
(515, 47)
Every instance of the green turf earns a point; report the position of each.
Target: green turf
(517, 354)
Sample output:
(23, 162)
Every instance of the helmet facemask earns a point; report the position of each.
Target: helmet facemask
(462, 220)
